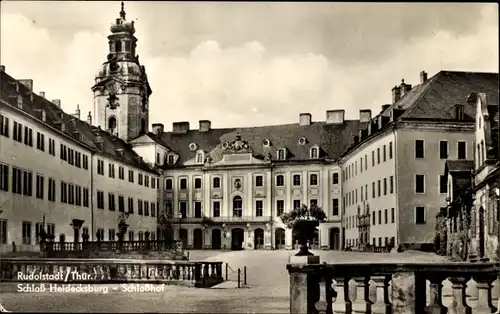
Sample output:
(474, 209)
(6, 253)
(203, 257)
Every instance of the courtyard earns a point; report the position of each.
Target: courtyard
(267, 291)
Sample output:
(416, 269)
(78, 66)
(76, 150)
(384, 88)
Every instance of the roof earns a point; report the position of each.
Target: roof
(332, 140)
(78, 130)
(459, 166)
(436, 98)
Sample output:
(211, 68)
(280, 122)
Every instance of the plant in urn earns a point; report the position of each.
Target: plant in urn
(303, 221)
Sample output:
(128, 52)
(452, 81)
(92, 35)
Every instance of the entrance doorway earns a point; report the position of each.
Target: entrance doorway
(334, 239)
(216, 239)
(279, 239)
(237, 236)
(258, 239)
(197, 239)
(183, 236)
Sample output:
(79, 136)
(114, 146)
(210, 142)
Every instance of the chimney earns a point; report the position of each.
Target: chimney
(423, 77)
(158, 128)
(57, 102)
(28, 83)
(77, 113)
(365, 115)
(89, 118)
(335, 116)
(180, 127)
(396, 94)
(42, 94)
(2, 68)
(405, 88)
(305, 119)
(44, 115)
(205, 125)
(385, 107)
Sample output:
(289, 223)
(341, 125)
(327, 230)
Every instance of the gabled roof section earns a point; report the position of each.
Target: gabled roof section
(77, 130)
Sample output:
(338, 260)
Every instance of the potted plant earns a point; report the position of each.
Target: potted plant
(304, 221)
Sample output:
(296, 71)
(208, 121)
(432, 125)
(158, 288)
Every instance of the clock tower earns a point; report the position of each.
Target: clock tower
(121, 90)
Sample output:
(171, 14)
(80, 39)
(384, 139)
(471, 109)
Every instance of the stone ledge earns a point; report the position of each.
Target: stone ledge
(308, 259)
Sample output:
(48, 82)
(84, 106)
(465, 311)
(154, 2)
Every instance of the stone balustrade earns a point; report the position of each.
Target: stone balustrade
(101, 246)
(51, 270)
(408, 288)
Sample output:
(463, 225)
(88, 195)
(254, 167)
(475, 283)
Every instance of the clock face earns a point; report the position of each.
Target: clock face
(112, 88)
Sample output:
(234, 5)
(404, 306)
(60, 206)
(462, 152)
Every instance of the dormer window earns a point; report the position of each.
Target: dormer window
(19, 102)
(314, 153)
(200, 157)
(225, 145)
(302, 141)
(170, 159)
(44, 115)
(459, 112)
(266, 143)
(282, 154)
(193, 147)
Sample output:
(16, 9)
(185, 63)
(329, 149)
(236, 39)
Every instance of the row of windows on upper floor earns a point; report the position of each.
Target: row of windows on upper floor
(259, 181)
(352, 169)
(351, 198)
(142, 179)
(238, 207)
(71, 156)
(144, 208)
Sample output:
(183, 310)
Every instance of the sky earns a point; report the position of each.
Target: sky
(244, 64)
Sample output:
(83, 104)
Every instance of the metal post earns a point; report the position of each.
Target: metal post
(245, 276)
(239, 275)
(227, 268)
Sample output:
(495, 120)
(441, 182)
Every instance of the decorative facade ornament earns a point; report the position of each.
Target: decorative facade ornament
(237, 184)
(237, 146)
(113, 88)
(268, 157)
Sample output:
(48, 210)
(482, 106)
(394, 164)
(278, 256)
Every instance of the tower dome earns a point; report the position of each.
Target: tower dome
(121, 25)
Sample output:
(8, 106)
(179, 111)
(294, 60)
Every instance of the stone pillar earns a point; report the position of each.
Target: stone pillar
(288, 239)
(408, 293)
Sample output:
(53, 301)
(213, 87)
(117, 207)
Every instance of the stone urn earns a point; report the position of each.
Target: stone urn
(305, 229)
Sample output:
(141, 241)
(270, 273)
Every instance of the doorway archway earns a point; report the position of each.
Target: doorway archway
(237, 237)
(258, 239)
(183, 236)
(279, 239)
(334, 237)
(197, 239)
(216, 239)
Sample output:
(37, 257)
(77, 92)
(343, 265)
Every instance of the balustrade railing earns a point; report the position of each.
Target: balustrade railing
(190, 273)
(103, 246)
(408, 288)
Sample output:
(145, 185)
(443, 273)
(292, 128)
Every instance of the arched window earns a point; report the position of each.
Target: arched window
(168, 184)
(112, 125)
(482, 153)
(237, 206)
(183, 184)
(296, 179)
(199, 158)
(143, 126)
(281, 154)
(314, 153)
(127, 46)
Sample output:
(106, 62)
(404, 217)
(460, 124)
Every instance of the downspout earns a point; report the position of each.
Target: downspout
(272, 203)
(396, 192)
(92, 233)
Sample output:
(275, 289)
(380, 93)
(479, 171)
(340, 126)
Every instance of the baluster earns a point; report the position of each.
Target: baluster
(459, 304)
(484, 296)
(436, 291)
(322, 304)
(362, 303)
(381, 303)
(342, 303)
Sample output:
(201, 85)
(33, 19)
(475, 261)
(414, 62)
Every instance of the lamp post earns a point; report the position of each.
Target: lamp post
(180, 224)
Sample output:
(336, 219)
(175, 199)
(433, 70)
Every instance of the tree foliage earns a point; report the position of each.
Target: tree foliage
(314, 212)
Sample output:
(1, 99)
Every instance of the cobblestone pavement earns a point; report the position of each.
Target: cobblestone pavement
(267, 291)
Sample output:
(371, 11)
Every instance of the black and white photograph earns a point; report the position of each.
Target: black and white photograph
(249, 157)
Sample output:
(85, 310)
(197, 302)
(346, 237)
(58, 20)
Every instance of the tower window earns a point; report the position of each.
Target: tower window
(143, 126)
(118, 46)
(112, 125)
(127, 46)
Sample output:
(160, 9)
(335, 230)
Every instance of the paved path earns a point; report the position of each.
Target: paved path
(267, 292)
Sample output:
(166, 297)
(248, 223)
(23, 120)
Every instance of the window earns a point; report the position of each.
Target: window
(385, 186)
(373, 190)
(183, 184)
(313, 202)
(197, 183)
(391, 184)
(366, 191)
(146, 181)
(373, 158)
(40, 141)
(111, 234)
(296, 179)
(280, 207)
(71, 156)
(4, 126)
(313, 179)
(111, 170)
(419, 149)
(141, 236)
(379, 217)
(78, 195)
(17, 181)
(335, 207)
(216, 208)
(216, 183)
(100, 199)
(155, 209)
(393, 215)
(131, 176)
(443, 149)
(52, 190)
(100, 167)
(390, 150)
(280, 180)
(78, 159)
(361, 194)
(153, 183)
(259, 181)
(131, 235)
(281, 154)
(296, 204)
(183, 209)
(3, 231)
(170, 159)
(26, 232)
(140, 208)
(259, 208)
(314, 153)
(27, 183)
(366, 162)
(4, 177)
(459, 112)
(374, 218)
(384, 153)
(121, 204)
(379, 188)
(378, 155)
(462, 152)
(121, 173)
(39, 186)
(169, 184)
(420, 215)
(199, 158)
(52, 148)
(85, 197)
(140, 179)
(419, 183)
(237, 206)
(443, 184)
(146, 208)
(197, 209)
(28, 136)
(130, 205)
(71, 194)
(158, 158)
(111, 201)
(17, 132)
(335, 178)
